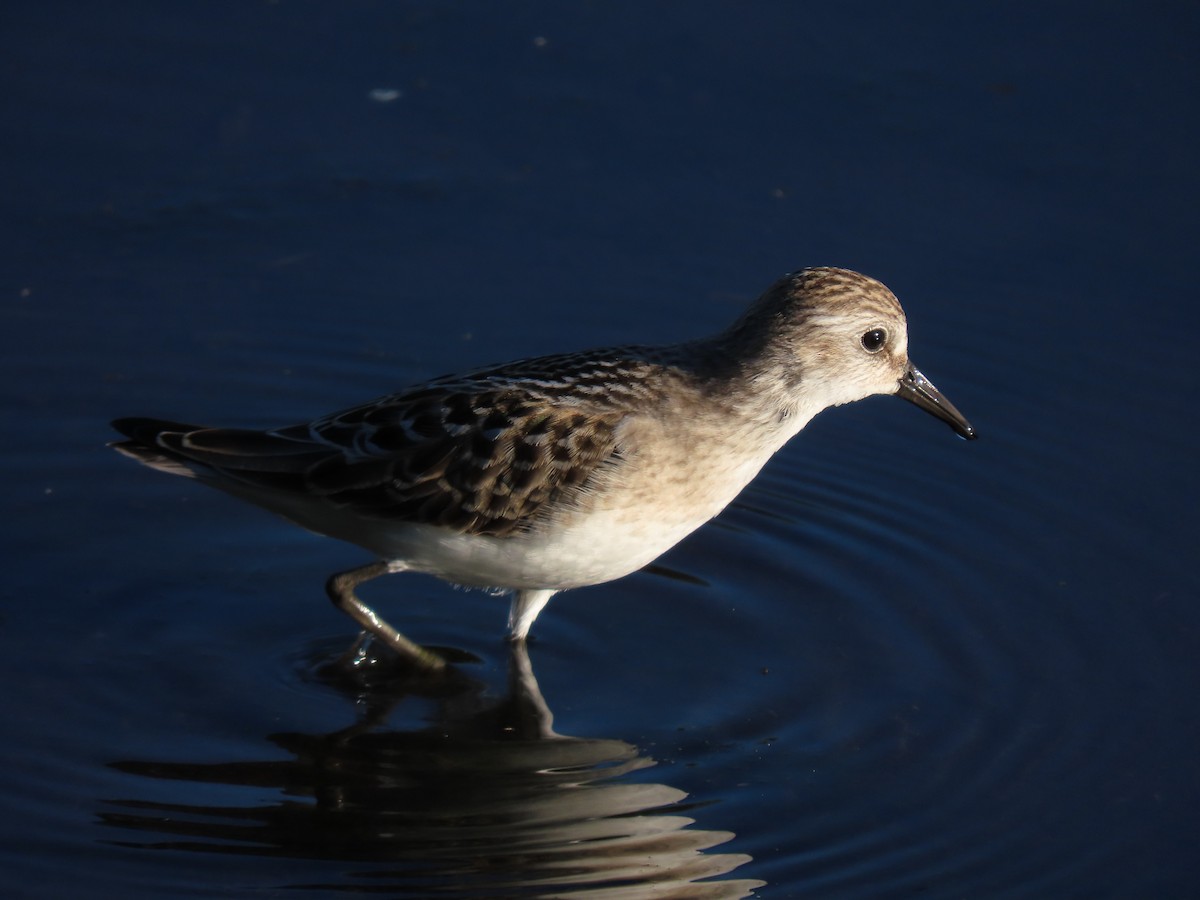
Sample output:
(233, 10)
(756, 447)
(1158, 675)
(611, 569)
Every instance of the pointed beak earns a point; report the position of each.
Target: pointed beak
(918, 389)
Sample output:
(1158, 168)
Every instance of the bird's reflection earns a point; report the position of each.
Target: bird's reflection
(487, 801)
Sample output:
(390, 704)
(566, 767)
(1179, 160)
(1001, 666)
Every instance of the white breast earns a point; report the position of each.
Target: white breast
(674, 477)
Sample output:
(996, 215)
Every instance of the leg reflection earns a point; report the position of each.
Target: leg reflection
(484, 798)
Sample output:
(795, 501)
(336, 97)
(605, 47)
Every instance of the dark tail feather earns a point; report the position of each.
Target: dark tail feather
(239, 449)
(146, 431)
(143, 434)
(262, 459)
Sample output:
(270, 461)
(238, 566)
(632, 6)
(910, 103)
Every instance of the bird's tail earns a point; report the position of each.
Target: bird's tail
(143, 444)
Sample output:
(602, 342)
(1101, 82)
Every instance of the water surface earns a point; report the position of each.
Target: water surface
(898, 664)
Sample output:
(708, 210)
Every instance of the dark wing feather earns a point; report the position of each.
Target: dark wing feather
(482, 453)
(479, 462)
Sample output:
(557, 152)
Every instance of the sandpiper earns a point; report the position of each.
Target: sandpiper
(553, 473)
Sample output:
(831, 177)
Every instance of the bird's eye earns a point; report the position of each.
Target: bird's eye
(874, 340)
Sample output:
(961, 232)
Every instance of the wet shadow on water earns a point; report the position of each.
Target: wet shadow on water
(486, 800)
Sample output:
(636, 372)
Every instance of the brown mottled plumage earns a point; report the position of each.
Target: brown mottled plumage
(566, 470)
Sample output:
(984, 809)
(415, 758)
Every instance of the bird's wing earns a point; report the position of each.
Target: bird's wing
(478, 456)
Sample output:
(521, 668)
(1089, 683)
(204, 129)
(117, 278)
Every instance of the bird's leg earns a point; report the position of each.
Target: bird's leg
(340, 588)
(532, 716)
(525, 608)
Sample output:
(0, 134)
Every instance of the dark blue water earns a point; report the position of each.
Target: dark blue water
(898, 665)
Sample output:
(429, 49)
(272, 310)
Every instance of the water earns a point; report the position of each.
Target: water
(898, 664)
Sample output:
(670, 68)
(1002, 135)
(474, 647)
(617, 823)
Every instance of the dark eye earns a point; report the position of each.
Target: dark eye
(874, 340)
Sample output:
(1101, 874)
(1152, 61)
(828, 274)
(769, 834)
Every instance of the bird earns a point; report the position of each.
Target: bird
(557, 472)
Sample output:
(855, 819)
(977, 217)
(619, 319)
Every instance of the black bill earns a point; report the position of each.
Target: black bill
(918, 389)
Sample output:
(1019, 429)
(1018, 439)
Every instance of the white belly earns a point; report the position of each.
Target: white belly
(653, 507)
(666, 489)
(599, 547)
